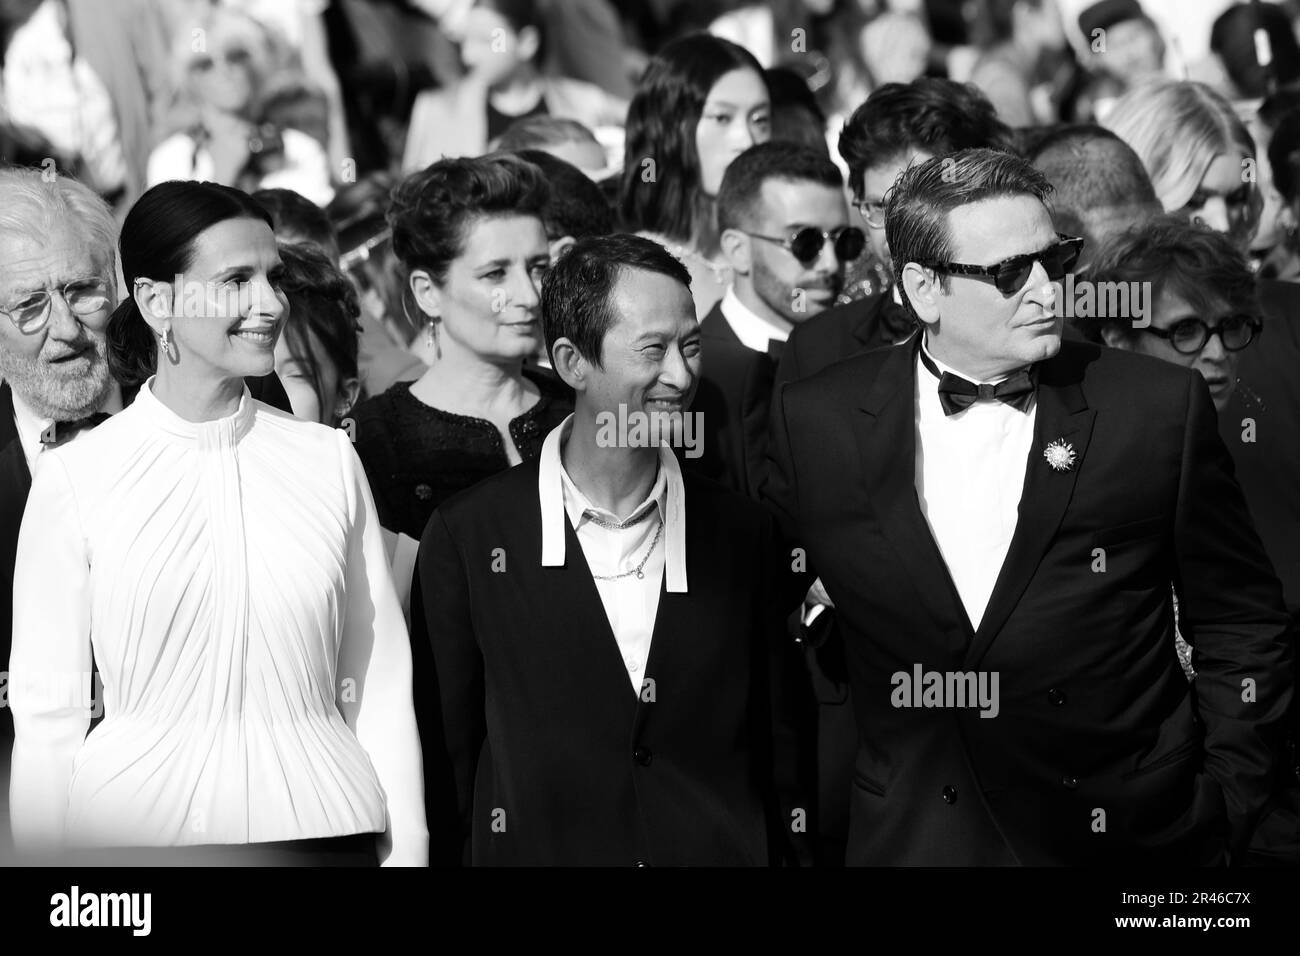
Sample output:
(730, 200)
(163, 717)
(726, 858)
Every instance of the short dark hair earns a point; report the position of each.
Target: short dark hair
(742, 185)
(295, 218)
(577, 290)
(432, 209)
(1168, 251)
(577, 207)
(797, 117)
(917, 207)
(520, 14)
(934, 115)
(536, 132)
(322, 302)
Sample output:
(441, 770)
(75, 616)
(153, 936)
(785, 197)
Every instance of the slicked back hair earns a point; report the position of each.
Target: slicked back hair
(917, 207)
(927, 115)
(740, 196)
(578, 291)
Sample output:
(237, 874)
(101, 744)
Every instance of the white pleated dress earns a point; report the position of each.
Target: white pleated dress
(232, 580)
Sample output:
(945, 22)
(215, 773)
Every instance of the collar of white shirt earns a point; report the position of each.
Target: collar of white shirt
(752, 329)
(667, 492)
(31, 426)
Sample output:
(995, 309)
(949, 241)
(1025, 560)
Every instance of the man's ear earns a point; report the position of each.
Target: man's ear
(1115, 337)
(561, 246)
(921, 286)
(568, 363)
(527, 42)
(155, 301)
(428, 298)
(738, 250)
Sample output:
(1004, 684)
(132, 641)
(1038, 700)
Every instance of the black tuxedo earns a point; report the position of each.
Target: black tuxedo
(734, 397)
(15, 483)
(845, 330)
(530, 721)
(1101, 751)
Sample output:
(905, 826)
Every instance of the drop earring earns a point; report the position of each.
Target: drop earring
(431, 330)
(165, 339)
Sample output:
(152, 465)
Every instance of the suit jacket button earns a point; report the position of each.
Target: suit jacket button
(949, 794)
(423, 492)
(1070, 782)
(643, 756)
(1056, 696)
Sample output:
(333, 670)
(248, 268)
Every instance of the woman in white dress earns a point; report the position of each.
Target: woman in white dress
(224, 563)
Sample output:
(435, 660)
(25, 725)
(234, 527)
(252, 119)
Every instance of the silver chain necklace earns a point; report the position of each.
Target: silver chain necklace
(639, 569)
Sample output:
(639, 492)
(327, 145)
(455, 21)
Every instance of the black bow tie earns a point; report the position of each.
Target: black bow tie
(957, 394)
(61, 432)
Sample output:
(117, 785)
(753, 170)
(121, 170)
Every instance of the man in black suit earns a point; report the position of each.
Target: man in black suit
(601, 625)
(1003, 521)
(898, 125)
(786, 234)
(57, 290)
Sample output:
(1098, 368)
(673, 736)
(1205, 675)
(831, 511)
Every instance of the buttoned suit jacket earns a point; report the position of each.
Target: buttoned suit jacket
(1101, 751)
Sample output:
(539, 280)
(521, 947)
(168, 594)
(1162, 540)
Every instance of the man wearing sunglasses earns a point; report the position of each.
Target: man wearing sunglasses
(988, 506)
(787, 236)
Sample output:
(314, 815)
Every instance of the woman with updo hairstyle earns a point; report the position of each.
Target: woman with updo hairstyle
(701, 103)
(1198, 153)
(224, 562)
(316, 357)
(470, 238)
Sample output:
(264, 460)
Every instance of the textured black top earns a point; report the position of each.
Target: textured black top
(416, 456)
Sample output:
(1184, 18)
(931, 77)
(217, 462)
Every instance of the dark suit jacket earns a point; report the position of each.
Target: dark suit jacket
(836, 334)
(733, 397)
(1095, 715)
(15, 483)
(538, 750)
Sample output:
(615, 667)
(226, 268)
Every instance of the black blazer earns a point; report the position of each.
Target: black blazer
(1095, 714)
(836, 334)
(734, 398)
(538, 750)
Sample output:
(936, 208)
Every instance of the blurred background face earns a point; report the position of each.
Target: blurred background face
(876, 182)
(490, 47)
(981, 331)
(650, 356)
(1133, 51)
(489, 303)
(736, 115)
(61, 369)
(229, 310)
(794, 289)
(1224, 201)
(224, 73)
(1215, 363)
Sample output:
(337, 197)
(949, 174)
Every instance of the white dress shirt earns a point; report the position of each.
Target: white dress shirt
(231, 578)
(31, 426)
(631, 603)
(970, 471)
(753, 330)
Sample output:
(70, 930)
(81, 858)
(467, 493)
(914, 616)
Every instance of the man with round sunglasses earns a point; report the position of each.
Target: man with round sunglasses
(1002, 521)
(786, 233)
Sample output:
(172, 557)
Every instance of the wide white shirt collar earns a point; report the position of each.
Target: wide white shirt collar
(667, 493)
(753, 330)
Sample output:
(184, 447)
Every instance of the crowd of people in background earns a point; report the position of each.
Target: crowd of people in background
(456, 234)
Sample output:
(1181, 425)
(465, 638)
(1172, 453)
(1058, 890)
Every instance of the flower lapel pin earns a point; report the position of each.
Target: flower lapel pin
(1060, 455)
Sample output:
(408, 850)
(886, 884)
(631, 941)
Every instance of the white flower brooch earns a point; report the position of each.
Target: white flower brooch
(1060, 455)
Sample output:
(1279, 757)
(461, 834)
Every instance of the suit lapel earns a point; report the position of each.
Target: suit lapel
(886, 436)
(1063, 413)
(715, 326)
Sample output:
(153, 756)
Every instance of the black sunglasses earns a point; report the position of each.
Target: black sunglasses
(1010, 275)
(806, 244)
(1189, 336)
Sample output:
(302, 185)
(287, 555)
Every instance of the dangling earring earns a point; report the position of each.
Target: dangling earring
(431, 330)
(165, 340)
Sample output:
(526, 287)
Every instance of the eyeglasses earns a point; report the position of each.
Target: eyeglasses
(235, 56)
(83, 296)
(1010, 275)
(806, 244)
(873, 212)
(1189, 336)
